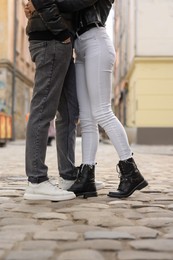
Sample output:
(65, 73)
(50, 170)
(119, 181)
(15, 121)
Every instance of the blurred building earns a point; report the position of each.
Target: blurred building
(16, 68)
(144, 69)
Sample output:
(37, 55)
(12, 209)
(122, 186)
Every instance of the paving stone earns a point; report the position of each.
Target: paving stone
(4, 199)
(13, 187)
(81, 255)
(16, 178)
(151, 244)
(169, 235)
(28, 255)
(152, 209)
(143, 255)
(11, 236)
(37, 245)
(50, 215)
(56, 224)
(145, 206)
(156, 222)
(165, 198)
(22, 228)
(168, 214)
(6, 244)
(9, 205)
(131, 214)
(31, 209)
(105, 219)
(107, 235)
(85, 208)
(10, 193)
(56, 235)
(139, 231)
(103, 245)
(167, 230)
(125, 203)
(8, 214)
(16, 221)
(79, 228)
(2, 252)
(93, 205)
(170, 206)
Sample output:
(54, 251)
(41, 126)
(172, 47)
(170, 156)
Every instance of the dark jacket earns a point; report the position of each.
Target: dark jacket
(45, 18)
(96, 13)
(55, 16)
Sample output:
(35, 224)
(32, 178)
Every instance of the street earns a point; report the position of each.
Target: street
(100, 228)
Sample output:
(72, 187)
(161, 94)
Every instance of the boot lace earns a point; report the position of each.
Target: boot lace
(121, 172)
(79, 173)
(126, 171)
(122, 175)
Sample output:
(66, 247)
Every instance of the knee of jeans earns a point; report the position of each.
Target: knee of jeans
(89, 128)
(103, 115)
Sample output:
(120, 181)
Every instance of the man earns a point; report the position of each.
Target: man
(51, 50)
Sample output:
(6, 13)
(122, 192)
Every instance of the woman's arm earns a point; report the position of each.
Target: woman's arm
(74, 5)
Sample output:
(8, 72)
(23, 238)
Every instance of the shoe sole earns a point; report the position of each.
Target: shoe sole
(48, 197)
(140, 186)
(87, 194)
(99, 186)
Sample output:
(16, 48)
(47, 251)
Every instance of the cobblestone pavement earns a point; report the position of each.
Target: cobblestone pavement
(137, 228)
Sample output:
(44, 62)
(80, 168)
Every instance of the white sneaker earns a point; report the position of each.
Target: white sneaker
(99, 185)
(47, 191)
(66, 184)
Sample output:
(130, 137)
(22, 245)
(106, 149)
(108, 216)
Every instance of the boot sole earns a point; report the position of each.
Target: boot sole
(87, 194)
(140, 186)
(48, 197)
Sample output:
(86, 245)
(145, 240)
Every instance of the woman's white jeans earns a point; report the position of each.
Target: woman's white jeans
(95, 57)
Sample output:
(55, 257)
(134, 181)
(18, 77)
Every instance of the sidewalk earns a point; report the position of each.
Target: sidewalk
(137, 228)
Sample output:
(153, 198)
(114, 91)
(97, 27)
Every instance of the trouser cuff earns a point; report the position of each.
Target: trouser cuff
(38, 179)
(72, 175)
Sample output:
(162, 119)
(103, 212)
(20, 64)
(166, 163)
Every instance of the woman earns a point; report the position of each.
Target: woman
(95, 57)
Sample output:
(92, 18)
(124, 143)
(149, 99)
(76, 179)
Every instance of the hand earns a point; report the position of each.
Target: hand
(29, 9)
(28, 13)
(67, 41)
(30, 6)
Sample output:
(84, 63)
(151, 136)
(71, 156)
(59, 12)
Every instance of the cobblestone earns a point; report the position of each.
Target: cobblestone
(100, 228)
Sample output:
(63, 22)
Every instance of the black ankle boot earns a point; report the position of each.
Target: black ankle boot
(130, 179)
(85, 182)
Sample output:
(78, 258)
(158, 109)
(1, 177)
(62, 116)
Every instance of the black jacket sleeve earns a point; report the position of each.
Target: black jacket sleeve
(74, 5)
(50, 14)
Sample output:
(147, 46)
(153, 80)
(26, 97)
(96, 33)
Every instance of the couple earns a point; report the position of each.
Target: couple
(54, 27)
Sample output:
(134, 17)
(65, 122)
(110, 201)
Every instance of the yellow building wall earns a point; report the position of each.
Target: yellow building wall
(3, 29)
(150, 93)
(24, 69)
(23, 59)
